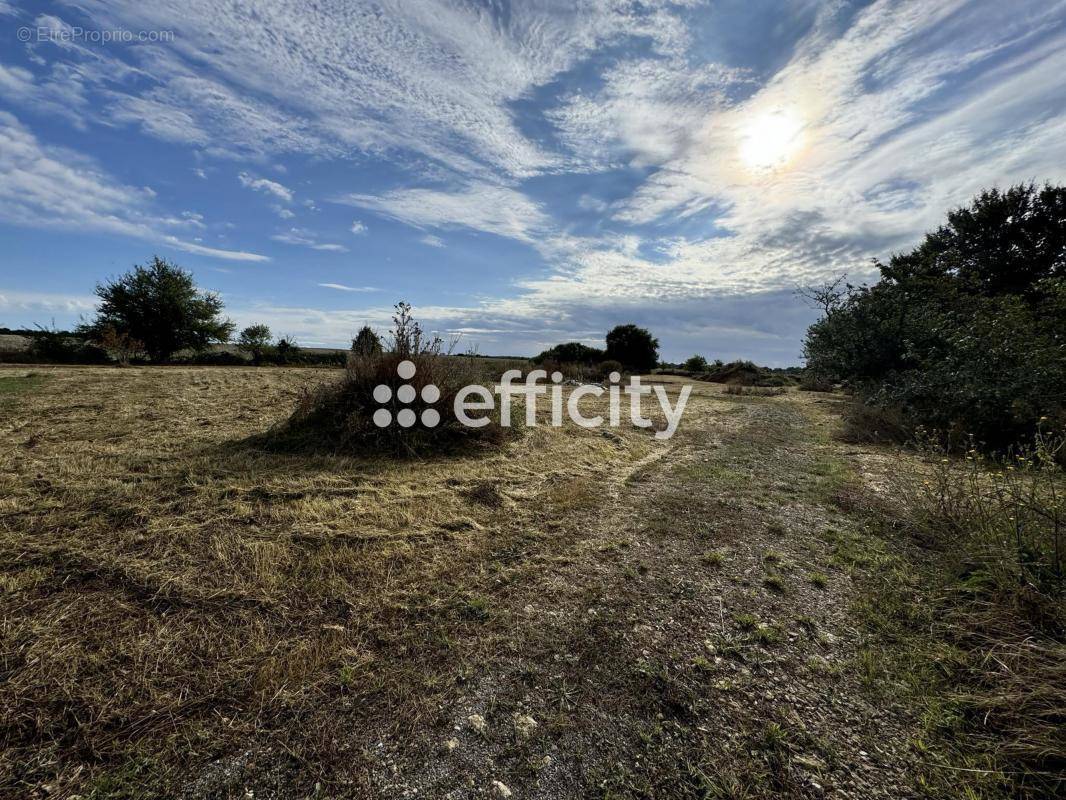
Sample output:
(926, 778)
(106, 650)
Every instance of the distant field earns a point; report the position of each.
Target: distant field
(584, 613)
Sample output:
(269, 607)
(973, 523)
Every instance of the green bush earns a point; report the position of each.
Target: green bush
(963, 334)
(696, 363)
(570, 353)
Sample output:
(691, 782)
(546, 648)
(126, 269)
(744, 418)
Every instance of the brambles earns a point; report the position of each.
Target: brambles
(339, 417)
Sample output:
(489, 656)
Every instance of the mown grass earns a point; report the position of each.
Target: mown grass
(169, 591)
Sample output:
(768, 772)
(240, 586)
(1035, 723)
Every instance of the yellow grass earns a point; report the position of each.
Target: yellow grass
(164, 585)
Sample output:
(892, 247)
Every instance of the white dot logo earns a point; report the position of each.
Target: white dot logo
(406, 395)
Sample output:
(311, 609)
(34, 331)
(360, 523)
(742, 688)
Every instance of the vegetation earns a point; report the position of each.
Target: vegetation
(634, 347)
(366, 342)
(971, 618)
(340, 417)
(696, 363)
(160, 306)
(255, 341)
(571, 353)
(964, 333)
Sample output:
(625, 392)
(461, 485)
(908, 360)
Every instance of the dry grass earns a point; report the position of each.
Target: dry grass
(167, 589)
(754, 391)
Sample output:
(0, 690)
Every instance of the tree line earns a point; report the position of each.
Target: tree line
(966, 333)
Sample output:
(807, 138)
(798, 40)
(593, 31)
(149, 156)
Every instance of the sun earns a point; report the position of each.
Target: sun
(771, 139)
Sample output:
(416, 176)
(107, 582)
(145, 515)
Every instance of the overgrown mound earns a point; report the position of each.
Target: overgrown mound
(396, 402)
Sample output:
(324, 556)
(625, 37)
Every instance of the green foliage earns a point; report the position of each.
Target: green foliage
(571, 353)
(635, 347)
(964, 333)
(160, 306)
(366, 342)
(286, 351)
(53, 346)
(696, 363)
(254, 340)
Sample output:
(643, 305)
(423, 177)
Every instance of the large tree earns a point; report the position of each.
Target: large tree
(255, 341)
(160, 306)
(634, 347)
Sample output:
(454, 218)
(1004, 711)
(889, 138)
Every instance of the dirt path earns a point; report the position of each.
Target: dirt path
(690, 636)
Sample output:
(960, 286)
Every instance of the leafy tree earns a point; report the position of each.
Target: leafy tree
(255, 341)
(965, 332)
(366, 342)
(160, 306)
(286, 350)
(635, 347)
(571, 353)
(696, 364)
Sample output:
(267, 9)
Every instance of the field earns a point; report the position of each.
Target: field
(584, 613)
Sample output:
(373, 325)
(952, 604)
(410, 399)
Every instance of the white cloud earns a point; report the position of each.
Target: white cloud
(42, 186)
(437, 78)
(305, 238)
(482, 207)
(342, 288)
(265, 185)
(431, 240)
(16, 302)
(358, 228)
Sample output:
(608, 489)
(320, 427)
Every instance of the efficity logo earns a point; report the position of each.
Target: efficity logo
(476, 397)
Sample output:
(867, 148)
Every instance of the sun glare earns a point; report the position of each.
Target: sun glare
(771, 139)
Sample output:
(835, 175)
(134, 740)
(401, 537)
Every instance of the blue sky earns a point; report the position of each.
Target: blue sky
(523, 173)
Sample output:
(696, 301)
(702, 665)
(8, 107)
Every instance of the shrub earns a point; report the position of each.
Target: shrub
(366, 342)
(338, 417)
(212, 358)
(696, 363)
(605, 368)
(60, 347)
(121, 345)
(286, 351)
(812, 383)
(866, 423)
(570, 353)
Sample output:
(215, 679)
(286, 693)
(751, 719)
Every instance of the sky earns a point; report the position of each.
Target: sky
(523, 173)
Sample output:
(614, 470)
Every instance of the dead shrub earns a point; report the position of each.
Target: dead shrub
(339, 417)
